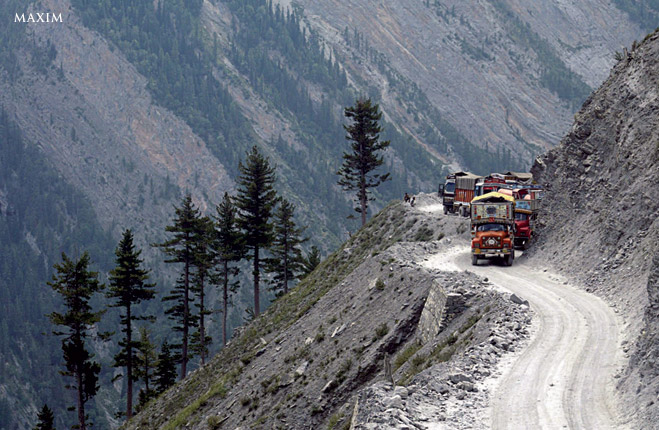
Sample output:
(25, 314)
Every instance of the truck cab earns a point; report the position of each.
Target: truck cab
(447, 193)
(493, 228)
(493, 240)
(524, 223)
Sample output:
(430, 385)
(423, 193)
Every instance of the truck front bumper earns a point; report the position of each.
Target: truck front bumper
(490, 253)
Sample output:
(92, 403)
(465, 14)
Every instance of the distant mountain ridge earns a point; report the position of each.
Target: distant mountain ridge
(109, 102)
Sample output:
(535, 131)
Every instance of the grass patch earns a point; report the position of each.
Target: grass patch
(334, 420)
(406, 354)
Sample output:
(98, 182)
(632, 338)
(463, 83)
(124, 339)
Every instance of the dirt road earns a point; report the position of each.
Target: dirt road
(564, 378)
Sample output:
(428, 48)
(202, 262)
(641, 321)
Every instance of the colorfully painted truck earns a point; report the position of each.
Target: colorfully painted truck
(465, 185)
(492, 228)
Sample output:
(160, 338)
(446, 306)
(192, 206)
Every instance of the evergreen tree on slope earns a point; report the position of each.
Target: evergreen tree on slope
(128, 287)
(255, 200)
(356, 173)
(76, 284)
(287, 261)
(181, 250)
(228, 247)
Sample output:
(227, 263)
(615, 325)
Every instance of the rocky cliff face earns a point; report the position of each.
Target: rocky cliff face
(600, 222)
(486, 67)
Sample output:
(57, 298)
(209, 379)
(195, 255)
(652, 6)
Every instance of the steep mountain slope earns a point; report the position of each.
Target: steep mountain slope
(506, 74)
(305, 361)
(128, 106)
(602, 178)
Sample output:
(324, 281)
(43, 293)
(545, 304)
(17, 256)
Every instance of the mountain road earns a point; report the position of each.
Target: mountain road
(564, 377)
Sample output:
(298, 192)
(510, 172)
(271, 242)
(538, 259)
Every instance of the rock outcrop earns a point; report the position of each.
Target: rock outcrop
(600, 221)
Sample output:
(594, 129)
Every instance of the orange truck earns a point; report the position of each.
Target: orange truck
(492, 228)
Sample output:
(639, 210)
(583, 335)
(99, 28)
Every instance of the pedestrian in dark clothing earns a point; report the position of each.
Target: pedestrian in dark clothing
(412, 201)
(406, 199)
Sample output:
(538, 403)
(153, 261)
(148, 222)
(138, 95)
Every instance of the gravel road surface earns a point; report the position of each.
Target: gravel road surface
(564, 379)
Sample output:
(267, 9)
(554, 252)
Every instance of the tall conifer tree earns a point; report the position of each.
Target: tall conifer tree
(255, 200)
(228, 247)
(356, 173)
(76, 284)
(181, 249)
(287, 261)
(128, 287)
(204, 258)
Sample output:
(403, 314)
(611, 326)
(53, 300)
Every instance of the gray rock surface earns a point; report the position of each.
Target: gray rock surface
(602, 178)
(442, 49)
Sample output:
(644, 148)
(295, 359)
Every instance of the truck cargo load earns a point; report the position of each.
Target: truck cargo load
(465, 184)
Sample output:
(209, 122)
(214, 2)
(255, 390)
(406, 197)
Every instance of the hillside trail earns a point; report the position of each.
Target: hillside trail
(564, 378)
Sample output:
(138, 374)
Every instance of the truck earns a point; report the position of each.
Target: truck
(526, 212)
(447, 193)
(465, 185)
(493, 228)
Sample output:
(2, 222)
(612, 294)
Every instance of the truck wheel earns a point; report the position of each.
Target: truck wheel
(445, 210)
(474, 260)
(509, 259)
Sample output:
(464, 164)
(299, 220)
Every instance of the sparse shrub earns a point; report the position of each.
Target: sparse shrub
(343, 370)
(424, 234)
(379, 284)
(380, 331)
(214, 422)
(334, 420)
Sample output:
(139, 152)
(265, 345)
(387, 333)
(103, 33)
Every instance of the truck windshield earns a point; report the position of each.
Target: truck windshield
(521, 216)
(491, 227)
(450, 187)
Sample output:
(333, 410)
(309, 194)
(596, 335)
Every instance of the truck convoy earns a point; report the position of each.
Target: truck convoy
(493, 227)
(463, 189)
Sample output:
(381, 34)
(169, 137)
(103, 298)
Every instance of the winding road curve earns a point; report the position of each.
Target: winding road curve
(564, 377)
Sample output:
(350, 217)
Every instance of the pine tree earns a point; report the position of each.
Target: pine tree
(255, 201)
(286, 261)
(76, 284)
(228, 247)
(145, 363)
(181, 250)
(311, 261)
(128, 287)
(46, 419)
(203, 261)
(356, 173)
(165, 369)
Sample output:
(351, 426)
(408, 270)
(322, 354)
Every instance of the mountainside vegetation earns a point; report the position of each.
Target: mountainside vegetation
(266, 75)
(41, 215)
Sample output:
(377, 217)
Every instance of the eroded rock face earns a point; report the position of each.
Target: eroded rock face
(465, 59)
(600, 220)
